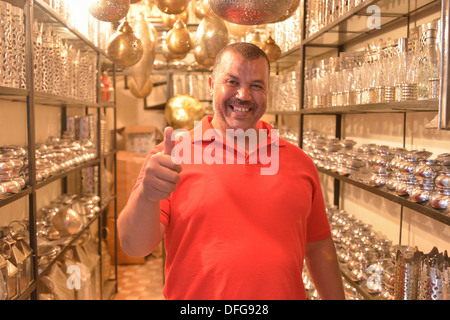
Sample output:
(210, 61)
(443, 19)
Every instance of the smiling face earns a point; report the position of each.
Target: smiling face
(239, 87)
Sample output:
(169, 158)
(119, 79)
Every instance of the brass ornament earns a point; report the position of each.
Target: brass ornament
(169, 55)
(250, 12)
(271, 49)
(140, 91)
(201, 8)
(172, 6)
(142, 70)
(201, 57)
(179, 39)
(212, 35)
(170, 19)
(182, 110)
(124, 48)
(109, 10)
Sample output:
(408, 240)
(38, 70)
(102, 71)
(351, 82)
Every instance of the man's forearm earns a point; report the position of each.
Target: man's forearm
(322, 264)
(139, 226)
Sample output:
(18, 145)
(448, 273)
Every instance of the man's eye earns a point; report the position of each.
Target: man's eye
(232, 83)
(258, 87)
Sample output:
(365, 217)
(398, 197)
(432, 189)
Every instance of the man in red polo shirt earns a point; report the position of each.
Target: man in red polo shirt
(232, 232)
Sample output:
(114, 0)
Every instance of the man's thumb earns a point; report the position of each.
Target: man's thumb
(168, 143)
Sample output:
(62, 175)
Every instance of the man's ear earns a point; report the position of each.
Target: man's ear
(211, 85)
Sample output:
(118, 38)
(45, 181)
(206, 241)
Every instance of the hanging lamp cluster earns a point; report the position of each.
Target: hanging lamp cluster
(133, 45)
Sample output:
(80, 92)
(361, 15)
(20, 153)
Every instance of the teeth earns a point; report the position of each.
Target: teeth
(241, 109)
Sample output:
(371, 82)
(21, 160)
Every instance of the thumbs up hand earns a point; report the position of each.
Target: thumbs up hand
(161, 174)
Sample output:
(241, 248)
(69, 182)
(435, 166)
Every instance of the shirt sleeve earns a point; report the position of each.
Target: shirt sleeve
(318, 224)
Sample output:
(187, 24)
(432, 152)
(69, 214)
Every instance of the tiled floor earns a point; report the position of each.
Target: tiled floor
(141, 281)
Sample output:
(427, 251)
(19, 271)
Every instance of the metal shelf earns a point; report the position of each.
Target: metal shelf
(8, 93)
(388, 107)
(39, 10)
(353, 25)
(424, 209)
(44, 13)
(15, 197)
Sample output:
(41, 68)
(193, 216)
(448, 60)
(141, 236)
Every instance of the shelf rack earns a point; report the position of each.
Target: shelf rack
(41, 11)
(331, 39)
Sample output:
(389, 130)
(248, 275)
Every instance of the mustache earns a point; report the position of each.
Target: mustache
(236, 101)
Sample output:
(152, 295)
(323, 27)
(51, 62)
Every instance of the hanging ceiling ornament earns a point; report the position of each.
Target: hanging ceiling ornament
(140, 91)
(179, 39)
(170, 19)
(250, 12)
(182, 110)
(169, 55)
(201, 8)
(124, 48)
(172, 6)
(212, 35)
(271, 49)
(201, 57)
(109, 10)
(141, 71)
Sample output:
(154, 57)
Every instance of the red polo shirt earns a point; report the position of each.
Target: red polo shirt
(233, 233)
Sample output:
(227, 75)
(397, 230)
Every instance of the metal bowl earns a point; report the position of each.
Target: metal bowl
(67, 221)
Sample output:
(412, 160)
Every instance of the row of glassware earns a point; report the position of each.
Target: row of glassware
(60, 67)
(287, 33)
(193, 84)
(320, 13)
(408, 173)
(387, 271)
(76, 15)
(284, 93)
(395, 70)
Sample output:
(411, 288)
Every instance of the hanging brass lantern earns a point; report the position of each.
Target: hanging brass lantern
(201, 8)
(179, 39)
(140, 91)
(169, 55)
(124, 48)
(170, 19)
(201, 57)
(109, 10)
(182, 110)
(271, 49)
(141, 71)
(250, 12)
(212, 35)
(172, 6)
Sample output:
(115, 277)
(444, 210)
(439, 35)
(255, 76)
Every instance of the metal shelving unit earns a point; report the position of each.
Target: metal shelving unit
(331, 39)
(39, 10)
